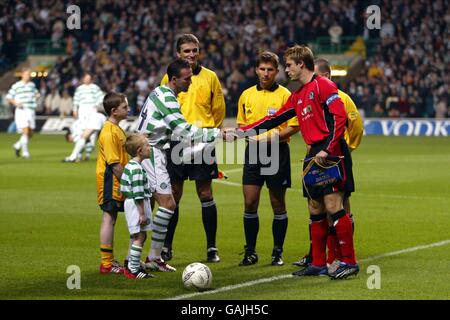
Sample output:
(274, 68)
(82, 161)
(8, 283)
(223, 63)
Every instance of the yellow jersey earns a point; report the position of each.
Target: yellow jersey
(355, 128)
(203, 105)
(255, 103)
(111, 150)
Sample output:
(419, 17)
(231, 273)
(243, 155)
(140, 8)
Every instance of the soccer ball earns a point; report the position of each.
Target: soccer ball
(198, 276)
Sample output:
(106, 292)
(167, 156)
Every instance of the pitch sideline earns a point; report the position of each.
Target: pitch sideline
(285, 276)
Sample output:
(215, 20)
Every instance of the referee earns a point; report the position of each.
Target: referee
(256, 102)
(23, 95)
(203, 105)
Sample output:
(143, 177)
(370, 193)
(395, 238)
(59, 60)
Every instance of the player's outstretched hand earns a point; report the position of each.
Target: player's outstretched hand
(143, 220)
(228, 134)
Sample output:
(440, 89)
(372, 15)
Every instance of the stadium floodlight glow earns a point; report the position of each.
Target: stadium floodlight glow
(33, 74)
(338, 73)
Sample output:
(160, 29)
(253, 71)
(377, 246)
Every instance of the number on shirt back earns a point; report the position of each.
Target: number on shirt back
(143, 115)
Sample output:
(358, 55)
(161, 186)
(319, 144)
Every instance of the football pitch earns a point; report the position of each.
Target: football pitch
(49, 220)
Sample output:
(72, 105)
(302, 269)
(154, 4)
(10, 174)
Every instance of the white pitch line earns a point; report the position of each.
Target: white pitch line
(376, 195)
(395, 253)
(229, 183)
(285, 276)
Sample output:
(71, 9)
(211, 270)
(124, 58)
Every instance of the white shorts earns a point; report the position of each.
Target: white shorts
(156, 168)
(132, 216)
(76, 130)
(25, 118)
(92, 121)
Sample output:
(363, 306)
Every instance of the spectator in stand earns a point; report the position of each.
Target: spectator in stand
(66, 105)
(121, 41)
(52, 102)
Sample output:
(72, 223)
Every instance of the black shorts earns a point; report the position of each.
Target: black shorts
(346, 185)
(112, 206)
(253, 175)
(192, 171)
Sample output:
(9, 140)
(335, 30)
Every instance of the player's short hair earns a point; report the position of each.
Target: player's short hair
(175, 67)
(300, 53)
(134, 142)
(113, 100)
(267, 57)
(323, 65)
(186, 38)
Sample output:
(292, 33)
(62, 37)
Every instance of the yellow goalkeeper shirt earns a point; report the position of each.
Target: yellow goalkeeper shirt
(203, 105)
(355, 128)
(255, 103)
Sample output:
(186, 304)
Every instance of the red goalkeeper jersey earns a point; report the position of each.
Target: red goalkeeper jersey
(320, 112)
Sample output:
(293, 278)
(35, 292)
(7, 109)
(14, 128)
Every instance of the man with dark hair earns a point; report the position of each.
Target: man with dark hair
(321, 116)
(263, 99)
(161, 120)
(353, 135)
(111, 160)
(203, 105)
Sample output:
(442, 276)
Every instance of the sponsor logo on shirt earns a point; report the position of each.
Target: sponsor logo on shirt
(306, 110)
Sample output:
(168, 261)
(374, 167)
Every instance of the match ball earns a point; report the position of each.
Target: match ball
(197, 276)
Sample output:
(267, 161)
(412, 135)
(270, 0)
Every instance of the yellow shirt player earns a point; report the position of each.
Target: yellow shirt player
(203, 105)
(355, 128)
(255, 103)
(110, 142)
(111, 160)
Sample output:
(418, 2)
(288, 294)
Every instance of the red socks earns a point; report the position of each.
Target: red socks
(319, 232)
(344, 233)
(334, 250)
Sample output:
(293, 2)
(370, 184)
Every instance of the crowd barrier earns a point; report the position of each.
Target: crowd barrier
(372, 126)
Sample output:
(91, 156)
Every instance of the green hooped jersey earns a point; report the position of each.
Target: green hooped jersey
(161, 120)
(134, 182)
(24, 93)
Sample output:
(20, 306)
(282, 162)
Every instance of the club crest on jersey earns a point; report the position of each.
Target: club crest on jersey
(300, 101)
(271, 111)
(311, 95)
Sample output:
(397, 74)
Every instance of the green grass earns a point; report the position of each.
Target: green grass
(49, 220)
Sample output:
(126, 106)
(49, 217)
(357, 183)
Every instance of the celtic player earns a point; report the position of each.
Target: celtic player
(161, 120)
(23, 96)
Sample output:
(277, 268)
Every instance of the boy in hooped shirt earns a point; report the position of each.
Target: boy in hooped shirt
(134, 186)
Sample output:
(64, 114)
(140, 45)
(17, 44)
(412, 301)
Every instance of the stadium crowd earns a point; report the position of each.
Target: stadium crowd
(409, 76)
(127, 44)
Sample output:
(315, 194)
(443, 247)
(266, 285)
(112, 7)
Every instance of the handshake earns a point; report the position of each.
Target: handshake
(230, 134)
